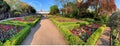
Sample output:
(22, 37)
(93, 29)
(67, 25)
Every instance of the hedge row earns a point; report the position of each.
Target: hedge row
(65, 27)
(72, 39)
(19, 37)
(95, 36)
(27, 23)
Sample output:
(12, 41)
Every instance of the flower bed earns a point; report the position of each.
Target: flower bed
(71, 33)
(8, 31)
(12, 34)
(63, 19)
(84, 32)
(26, 19)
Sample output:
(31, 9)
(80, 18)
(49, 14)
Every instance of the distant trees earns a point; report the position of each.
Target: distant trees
(20, 6)
(88, 8)
(54, 9)
(100, 6)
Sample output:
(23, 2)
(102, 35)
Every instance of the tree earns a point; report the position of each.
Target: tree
(54, 9)
(4, 7)
(100, 6)
(25, 8)
(20, 6)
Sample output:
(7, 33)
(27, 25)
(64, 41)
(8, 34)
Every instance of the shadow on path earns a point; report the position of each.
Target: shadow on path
(28, 39)
(104, 38)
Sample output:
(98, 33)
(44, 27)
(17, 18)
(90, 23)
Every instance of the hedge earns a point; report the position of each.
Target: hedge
(25, 23)
(65, 27)
(71, 38)
(19, 37)
(95, 36)
(28, 23)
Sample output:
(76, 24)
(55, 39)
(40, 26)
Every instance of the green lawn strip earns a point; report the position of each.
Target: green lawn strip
(19, 37)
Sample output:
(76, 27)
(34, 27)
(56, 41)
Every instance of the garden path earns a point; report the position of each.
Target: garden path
(46, 34)
(104, 38)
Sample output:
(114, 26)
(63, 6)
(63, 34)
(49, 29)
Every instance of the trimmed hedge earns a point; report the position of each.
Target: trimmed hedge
(95, 36)
(71, 38)
(19, 37)
(65, 27)
(25, 23)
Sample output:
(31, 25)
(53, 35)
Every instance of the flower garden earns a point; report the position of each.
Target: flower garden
(78, 32)
(13, 32)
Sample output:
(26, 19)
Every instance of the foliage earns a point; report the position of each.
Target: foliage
(19, 37)
(25, 8)
(116, 42)
(95, 36)
(20, 6)
(96, 9)
(25, 20)
(4, 7)
(54, 9)
(114, 23)
(72, 39)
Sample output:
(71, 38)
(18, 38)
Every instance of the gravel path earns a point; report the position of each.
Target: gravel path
(104, 38)
(46, 34)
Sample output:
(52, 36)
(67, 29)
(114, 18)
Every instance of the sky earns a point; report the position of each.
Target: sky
(45, 4)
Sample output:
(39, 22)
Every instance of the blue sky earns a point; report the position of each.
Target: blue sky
(45, 4)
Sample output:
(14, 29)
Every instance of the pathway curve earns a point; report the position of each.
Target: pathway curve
(46, 34)
(104, 38)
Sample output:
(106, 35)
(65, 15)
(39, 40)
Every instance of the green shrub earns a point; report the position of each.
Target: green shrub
(95, 36)
(83, 22)
(116, 42)
(88, 19)
(72, 39)
(18, 38)
(1, 44)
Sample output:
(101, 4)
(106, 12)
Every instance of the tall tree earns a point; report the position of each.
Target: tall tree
(100, 6)
(54, 9)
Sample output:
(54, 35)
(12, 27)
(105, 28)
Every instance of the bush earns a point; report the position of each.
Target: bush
(83, 22)
(88, 19)
(65, 28)
(1, 44)
(19, 37)
(116, 42)
(95, 36)
(72, 39)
